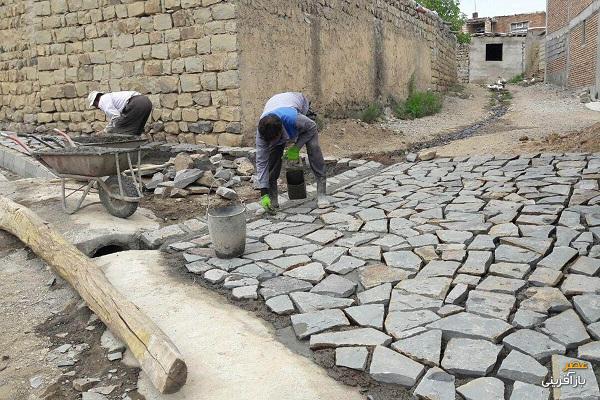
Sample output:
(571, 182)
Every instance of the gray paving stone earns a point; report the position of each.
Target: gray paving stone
(470, 357)
(537, 245)
(482, 242)
(324, 236)
(234, 281)
(580, 284)
(425, 347)
(566, 328)
(594, 330)
(448, 236)
(564, 236)
(588, 391)
(370, 315)
(352, 337)
(522, 367)
(335, 286)
(249, 292)
(559, 257)
(502, 230)
(345, 265)
(309, 302)
(588, 307)
(403, 259)
(380, 226)
(482, 388)
(367, 252)
(436, 385)
(215, 275)
(198, 267)
(436, 288)
(264, 255)
(542, 219)
(315, 322)
(470, 280)
(427, 253)
(585, 265)
(390, 242)
(307, 249)
(545, 277)
(375, 275)
(534, 343)
(300, 230)
(283, 285)
(356, 239)
(589, 351)
(458, 294)
(371, 214)
(290, 262)
(477, 263)
(490, 304)
(438, 268)
(527, 318)
(388, 366)
(352, 357)
(536, 231)
(449, 309)
(423, 240)
(329, 255)
(377, 295)
(513, 254)
(471, 326)
(527, 391)
(510, 270)
(545, 300)
(313, 273)
(277, 241)
(397, 322)
(411, 302)
(228, 265)
(501, 285)
(280, 305)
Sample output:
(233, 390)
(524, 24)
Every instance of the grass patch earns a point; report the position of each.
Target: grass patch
(419, 105)
(371, 113)
(516, 79)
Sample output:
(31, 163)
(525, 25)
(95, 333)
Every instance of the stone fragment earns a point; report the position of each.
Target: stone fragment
(278, 241)
(490, 304)
(425, 347)
(426, 155)
(186, 177)
(436, 385)
(589, 351)
(534, 343)
(458, 294)
(482, 388)
(315, 322)
(585, 265)
(312, 273)
(215, 275)
(345, 265)
(377, 295)
(469, 280)
(566, 328)
(283, 285)
(324, 236)
(264, 255)
(482, 242)
(559, 257)
(449, 236)
(403, 259)
(336, 286)
(438, 268)
(329, 255)
(236, 281)
(397, 322)
(291, 262)
(580, 284)
(370, 315)
(388, 366)
(449, 309)
(375, 275)
(503, 230)
(352, 337)
(92, 396)
(519, 366)
(249, 292)
(545, 277)
(510, 270)
(477, 263)
(84, 384)
(281, 305)
(513, 254)
(471, 326)
(308, 302)
(436, 288)
(411, 302)
(545, 300)
(352, 357)
(423, 240)
(588, 307)
(537, 245)
(367, 252)
(501, 285)
(528, 319)
(470, 357)
(527, 391)
(589, 390)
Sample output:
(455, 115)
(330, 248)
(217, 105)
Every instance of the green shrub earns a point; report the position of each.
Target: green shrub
(419, 105)
(371, 113)
(463, 37)
(516, 79)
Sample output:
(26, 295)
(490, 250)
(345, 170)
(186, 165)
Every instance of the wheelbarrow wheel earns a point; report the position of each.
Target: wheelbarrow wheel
(119, 208)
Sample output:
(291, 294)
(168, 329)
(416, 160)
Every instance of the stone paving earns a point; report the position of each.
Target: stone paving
(480, 270)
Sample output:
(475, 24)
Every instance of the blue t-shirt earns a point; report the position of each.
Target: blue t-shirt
(288, 117)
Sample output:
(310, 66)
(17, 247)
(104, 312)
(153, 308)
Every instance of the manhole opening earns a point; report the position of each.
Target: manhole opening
(110, 249)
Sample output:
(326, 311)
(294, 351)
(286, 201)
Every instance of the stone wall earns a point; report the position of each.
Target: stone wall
(209, 65)
(463, 62)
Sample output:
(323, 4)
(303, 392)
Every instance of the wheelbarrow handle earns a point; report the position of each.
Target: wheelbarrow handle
(67, 137)
(18, 141)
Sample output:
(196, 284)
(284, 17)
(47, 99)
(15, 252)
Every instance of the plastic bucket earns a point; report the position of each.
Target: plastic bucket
(227, 230)
(296, 184)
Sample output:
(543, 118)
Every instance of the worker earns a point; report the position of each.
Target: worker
(127, 112)
(284, 121)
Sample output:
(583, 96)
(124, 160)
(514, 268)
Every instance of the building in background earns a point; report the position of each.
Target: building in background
(572, 51)
(516, 24)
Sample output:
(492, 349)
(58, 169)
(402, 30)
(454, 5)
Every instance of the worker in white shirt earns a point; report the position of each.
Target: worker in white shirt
(127, 112)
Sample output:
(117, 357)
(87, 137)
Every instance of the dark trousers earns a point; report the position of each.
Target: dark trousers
(133, 117)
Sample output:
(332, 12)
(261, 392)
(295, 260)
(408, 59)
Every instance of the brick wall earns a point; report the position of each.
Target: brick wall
(583, 55)
(535, 20)
(577, 6)
(558, 14)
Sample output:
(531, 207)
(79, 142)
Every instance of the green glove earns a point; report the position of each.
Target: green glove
(292, 154)
(265, 202)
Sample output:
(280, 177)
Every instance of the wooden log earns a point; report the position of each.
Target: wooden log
(157, 355)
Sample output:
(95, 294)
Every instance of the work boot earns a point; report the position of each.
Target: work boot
(274, 195)
(322, 201)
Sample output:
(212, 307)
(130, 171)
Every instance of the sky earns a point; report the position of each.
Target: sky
(491, 8)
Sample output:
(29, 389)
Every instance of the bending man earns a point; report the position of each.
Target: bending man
(284, 121)
(127, 112)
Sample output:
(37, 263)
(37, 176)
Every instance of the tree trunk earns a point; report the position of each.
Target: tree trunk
(157, 355)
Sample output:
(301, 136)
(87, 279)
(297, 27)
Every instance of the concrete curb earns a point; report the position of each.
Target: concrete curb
(23, 165)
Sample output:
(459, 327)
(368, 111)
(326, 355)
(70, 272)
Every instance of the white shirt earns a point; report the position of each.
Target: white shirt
(290, 99)
(113, 103)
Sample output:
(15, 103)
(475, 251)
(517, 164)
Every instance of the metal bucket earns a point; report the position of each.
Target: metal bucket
(296, 184)
(227, 229)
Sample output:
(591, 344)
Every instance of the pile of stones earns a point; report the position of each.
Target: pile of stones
(474, 278)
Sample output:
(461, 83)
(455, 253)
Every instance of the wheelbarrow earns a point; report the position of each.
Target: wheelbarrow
(113, 172)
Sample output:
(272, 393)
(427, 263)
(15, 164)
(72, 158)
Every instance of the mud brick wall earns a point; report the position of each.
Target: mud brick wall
(209, 65)
(462, 62)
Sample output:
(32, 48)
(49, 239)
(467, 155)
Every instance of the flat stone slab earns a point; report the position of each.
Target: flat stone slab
(513, 254)
(370, 315)
(345, 265)
(490, 304)
(353, 337)
(439, 268)
(410, 302)
(482, 388)
(580, 284)
(538, 245)
(527, 391)
(471, 326)
(589, 351)
(290, 262)
(559, 257)
(425, 347)
(536, 344)
(249, 292)
(522, 367)
(329, 255)
(313, 273)
(388, 366)
(545, 300)
(377, 295)
(280, 305)
(310, 302)
(431, 287)
(283, 285)
(477, 263)
(585, 265)
(315, 322)
(397, 322)
(501, 285)
(528, 319)
(588, 391)
(366, 252)
(567, 329)
(545, 277)
(588, 307)
(278, 241)
(448, 236)
(482, 242)
(352, 357)
(335, 286)
(436, 385)
(403, 259)
(375, 275)
(470, 357)
(324, 236)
